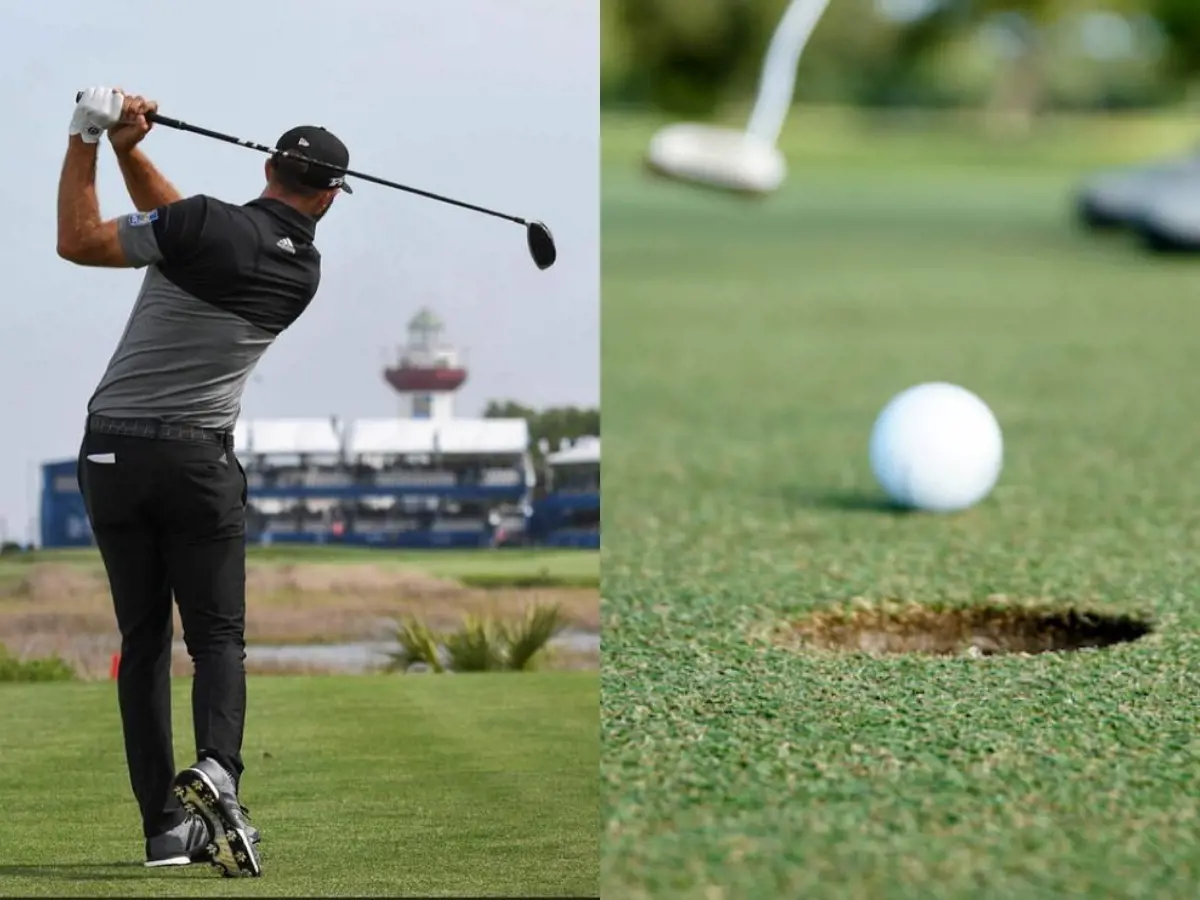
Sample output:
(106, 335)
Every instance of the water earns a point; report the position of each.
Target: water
(364, 656)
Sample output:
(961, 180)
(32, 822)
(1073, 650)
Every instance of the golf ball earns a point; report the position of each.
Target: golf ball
(936, 447)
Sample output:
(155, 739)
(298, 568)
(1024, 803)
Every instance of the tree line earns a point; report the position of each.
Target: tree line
(695, 57)
(551, 426)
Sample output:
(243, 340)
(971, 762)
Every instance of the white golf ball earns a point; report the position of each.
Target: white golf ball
(936, 447)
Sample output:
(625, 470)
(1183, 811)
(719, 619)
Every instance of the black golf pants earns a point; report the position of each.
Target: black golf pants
(169, 519)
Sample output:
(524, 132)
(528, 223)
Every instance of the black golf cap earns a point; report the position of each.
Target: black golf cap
(329, 156)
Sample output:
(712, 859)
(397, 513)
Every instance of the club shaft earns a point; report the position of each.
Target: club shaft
(362, 176)
(196, 129)
(168, 122)
(777, 81)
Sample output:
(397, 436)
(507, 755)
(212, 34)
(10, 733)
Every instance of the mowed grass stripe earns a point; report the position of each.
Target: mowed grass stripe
(367, 785)
(482, 568)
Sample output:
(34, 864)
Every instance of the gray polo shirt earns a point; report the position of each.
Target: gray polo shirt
(222, 282)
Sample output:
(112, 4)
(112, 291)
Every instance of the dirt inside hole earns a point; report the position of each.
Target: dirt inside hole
(984, 630)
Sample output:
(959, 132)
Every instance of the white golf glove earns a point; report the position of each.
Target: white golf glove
(96, 111)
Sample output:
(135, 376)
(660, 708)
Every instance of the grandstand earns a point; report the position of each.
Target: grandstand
(390, 482)
(569, 513)
(424, 479)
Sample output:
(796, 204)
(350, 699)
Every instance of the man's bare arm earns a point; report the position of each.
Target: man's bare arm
(148, 188)
(83, 237)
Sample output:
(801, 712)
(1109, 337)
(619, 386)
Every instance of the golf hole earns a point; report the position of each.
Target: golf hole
(985, 630)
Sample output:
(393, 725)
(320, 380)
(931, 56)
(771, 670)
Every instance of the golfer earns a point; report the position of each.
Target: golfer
(164, 493)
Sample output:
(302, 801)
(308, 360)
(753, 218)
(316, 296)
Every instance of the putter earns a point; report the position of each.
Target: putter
(537, 235)
(743, 162)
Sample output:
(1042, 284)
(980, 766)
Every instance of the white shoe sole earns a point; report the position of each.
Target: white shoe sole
(169, 861)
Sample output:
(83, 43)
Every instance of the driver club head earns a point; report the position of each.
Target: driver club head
(541, 242)
(541, 245)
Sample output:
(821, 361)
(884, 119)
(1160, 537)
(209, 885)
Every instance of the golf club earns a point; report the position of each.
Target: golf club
(777, 82)
(537, 235)
(743, 162)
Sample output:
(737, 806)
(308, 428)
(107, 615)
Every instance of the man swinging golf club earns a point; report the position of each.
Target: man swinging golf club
(164, 492)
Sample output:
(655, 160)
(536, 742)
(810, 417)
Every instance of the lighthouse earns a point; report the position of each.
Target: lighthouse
(427, 374)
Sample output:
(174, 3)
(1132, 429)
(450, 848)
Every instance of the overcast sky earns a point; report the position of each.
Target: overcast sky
(490, 101)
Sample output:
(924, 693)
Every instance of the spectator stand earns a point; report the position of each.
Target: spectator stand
(569, 513)
(387, 482)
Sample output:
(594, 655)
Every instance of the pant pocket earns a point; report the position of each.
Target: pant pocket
(112, 488)
(207, 500)
(245, 483)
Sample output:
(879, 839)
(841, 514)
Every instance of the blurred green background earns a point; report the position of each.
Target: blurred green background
(1007, 59)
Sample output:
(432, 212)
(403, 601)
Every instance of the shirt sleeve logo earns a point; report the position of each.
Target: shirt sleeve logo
(143, 218)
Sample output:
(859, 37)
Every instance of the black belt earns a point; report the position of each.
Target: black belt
(163, 431)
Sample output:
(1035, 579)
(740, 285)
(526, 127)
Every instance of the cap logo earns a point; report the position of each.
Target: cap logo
(302, 142)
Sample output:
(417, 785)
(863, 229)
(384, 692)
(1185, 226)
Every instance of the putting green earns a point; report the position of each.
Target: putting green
(403, 785)
(747, 350)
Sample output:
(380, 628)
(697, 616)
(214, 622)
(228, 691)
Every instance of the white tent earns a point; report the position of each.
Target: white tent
(585, 451)
(387, 437)
(482, 437)
(278, 437)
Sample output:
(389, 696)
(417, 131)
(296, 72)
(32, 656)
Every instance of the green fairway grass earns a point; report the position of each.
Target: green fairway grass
(747, 349)
(481, 568)
(403, 786)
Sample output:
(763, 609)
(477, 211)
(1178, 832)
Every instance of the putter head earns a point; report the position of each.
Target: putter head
(541, 245)
(723, 159)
